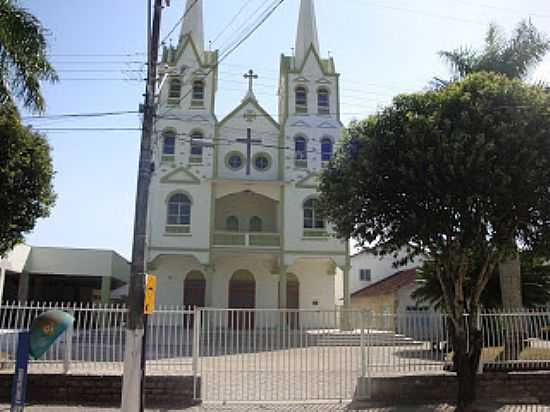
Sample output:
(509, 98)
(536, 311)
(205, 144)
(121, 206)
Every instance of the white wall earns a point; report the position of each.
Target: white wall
(381, 267)
(16, 259)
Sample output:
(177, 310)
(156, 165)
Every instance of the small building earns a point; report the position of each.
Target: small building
(61, 274)
(388, 295)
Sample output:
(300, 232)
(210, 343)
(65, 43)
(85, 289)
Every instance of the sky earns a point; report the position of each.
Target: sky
(381, 48)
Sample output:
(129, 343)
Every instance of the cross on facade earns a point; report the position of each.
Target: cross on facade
(249, 142)
(251, 77)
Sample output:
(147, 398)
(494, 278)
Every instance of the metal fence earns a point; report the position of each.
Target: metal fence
(273, 354)
(96, 342)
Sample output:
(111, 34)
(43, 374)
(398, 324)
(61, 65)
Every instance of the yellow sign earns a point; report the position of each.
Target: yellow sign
(150, 292)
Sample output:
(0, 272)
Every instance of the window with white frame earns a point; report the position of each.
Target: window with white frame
(300, 151)
(312, 215)
(175, 89)
(365, 275)
(326, 149)
(323, 101)
(169, 143)
(301, 99)
(196, 147)
(197, 97)
(179, 210)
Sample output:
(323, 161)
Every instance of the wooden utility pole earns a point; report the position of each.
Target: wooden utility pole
(132, 396)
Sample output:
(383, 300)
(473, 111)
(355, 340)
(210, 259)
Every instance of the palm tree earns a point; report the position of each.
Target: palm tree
(23, 60)
(514, 58)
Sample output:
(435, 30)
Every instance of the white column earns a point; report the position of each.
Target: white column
(283, 304)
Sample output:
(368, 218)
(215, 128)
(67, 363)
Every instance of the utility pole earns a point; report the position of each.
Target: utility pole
(132, 388)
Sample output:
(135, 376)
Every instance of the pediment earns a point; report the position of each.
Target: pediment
(301, 79)
(180, 175)
(311, 181)
(324, 81)
(327, 125)
(300, 123)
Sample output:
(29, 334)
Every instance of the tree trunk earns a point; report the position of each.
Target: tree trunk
(510, 283)
(510, 286)
(467, 356)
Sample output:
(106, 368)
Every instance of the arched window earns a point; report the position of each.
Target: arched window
(312, 215)
(301, 99)
(198, 93)
(323, 101)
(232, 224)
(179, 210)
(175, 89)
(300, 150)
(196, 147)
(326, 149)
(169, 143)
(256, 224)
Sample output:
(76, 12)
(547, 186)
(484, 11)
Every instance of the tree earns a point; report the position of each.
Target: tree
(26, 174)
(513, 58)
(23, 61)
(452, 174)
(535, 281)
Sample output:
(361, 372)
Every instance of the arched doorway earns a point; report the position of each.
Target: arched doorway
(194, 289)
(293, 299)
(242, 295)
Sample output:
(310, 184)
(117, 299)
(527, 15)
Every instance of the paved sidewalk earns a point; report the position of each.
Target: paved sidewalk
(324, 407)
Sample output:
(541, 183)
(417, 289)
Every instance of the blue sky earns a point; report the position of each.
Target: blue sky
(381, 48)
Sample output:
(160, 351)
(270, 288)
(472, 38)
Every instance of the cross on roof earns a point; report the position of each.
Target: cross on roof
(249, 142)
(251, 77)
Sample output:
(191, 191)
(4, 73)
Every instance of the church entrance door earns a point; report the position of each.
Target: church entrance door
(242, 295)
(194, 292)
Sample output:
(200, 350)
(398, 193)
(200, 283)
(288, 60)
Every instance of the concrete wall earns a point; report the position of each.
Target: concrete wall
(500, 387)
(101, 391)
(244, 206)
(15, 260)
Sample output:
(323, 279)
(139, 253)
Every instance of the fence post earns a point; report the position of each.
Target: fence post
(480, 328)
(363, 356)
(196, 348)
(68, 349)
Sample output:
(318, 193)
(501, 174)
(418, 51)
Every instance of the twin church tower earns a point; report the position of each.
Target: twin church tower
(234, 219)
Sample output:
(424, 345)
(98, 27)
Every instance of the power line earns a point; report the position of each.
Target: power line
(246, 3)
(180, 21)
(81, 115)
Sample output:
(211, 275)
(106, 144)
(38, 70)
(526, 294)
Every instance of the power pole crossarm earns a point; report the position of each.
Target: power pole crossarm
(132, 400)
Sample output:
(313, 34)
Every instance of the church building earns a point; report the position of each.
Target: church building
(234, 220)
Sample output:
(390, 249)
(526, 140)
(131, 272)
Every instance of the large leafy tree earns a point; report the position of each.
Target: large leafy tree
(513, 57)
(25, 179)
(23, 60)
(452, 174)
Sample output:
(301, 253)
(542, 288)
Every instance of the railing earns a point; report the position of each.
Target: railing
(274, 354)
(241, 239)
(96, 342)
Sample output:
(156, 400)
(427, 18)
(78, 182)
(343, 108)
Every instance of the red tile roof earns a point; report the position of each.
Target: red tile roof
(389, 284)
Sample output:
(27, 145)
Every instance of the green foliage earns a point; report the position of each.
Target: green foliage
(535, 285)
(452, 174)
(511, 57)
(23, 60)
(26, 174)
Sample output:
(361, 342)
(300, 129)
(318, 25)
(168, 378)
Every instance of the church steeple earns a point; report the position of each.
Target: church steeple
(307, 31)
(193, 24)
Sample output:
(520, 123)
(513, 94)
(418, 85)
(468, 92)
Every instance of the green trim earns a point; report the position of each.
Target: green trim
(216, 153)
(338, 99)
(282, 218)
(181, 49)
(324, 253)
(312, 50)
(227, 250)
(316, 233)
(242, 105)
(231, 154)
(269, 162)
(183, 249)
(302, 183)
(193, 180)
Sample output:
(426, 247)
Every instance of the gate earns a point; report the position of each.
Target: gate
(277, 355)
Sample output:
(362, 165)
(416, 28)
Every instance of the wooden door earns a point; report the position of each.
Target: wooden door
(242, 295)
(293, 301)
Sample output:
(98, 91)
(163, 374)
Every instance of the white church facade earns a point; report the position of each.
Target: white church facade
(234, 218)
